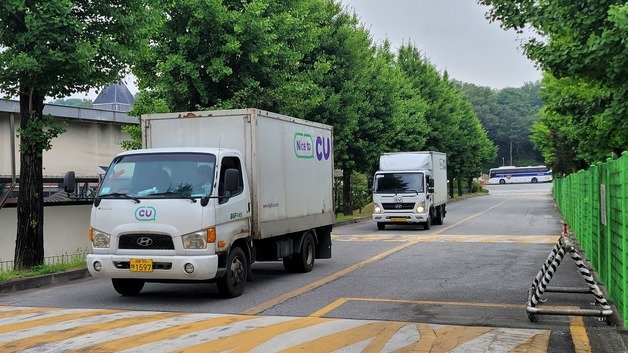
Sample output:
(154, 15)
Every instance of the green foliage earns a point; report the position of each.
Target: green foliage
(360, 193)
(74, 102)
(507, 115)
(40, 132)
(585, 51)
(42, 270)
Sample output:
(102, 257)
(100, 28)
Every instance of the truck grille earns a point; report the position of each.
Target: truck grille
(145, 242)
(398, 206)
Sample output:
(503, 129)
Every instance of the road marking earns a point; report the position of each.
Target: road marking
(313, 285)
(136, 331)
(67, 316)
(340, 301)
(579, 335)
(449, 238)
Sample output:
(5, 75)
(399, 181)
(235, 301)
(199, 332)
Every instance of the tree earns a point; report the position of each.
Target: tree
(74, 102)
(584, 42)
(54, 48)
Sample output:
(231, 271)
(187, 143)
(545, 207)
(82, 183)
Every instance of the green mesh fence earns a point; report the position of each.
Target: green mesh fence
(594, 202)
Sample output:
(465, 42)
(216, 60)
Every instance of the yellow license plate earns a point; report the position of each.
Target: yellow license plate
(398, 219)
(141, 265)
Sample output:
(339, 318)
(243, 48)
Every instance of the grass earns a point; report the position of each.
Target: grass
(6, 276)
(366, 211)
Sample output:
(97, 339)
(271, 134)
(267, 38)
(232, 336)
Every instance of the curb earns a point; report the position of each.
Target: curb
(21, 284)
(351, 221)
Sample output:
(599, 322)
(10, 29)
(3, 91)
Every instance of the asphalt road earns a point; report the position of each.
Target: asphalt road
(466, 278)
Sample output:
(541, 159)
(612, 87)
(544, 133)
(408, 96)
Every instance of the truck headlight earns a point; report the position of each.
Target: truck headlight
(100, 239)
(196, 240)
(377, 209)
(420, 208)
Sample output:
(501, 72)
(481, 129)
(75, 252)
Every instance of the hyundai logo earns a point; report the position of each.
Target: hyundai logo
(144, 241)
(398, 206)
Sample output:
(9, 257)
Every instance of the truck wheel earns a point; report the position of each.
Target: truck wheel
(427, 224)
(381, 225)
(438, 220)
(127, 287)
(304, 260)
(502, 181)
(535, 180)
(232, 283)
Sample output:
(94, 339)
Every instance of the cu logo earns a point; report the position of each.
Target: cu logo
(145, 213)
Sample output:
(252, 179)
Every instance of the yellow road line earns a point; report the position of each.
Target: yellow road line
(18, 312)
(450, 238)
(248, 340)
(579, 335)
(313, 285)
(49, 337)
(337, 303)
(52, 320)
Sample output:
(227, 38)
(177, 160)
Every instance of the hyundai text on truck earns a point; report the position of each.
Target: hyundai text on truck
(211, 193)
(410, 188)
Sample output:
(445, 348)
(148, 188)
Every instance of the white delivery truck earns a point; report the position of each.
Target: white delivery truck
(410, 187)
(210, 193)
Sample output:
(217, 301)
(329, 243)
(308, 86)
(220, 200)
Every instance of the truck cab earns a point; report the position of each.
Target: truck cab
(408, 190)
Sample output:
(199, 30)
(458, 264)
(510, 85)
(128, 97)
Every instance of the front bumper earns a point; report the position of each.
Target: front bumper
(164, 267)
(400, 217)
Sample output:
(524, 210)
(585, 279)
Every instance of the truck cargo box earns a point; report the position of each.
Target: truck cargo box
(289, 161)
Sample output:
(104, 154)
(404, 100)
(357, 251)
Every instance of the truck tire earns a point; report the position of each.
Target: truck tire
(535, 180)
(502, 181)
(438, 216)
(303, 261)
(127, 286)
(427, 224)
(232, 284)
(381, 225)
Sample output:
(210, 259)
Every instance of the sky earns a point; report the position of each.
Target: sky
(454, 35)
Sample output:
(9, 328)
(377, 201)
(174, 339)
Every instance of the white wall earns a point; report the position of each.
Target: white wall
(65, 230)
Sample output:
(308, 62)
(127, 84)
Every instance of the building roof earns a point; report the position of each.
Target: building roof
(116, 93)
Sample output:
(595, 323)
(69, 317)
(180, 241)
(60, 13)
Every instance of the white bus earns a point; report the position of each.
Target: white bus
(510, 175)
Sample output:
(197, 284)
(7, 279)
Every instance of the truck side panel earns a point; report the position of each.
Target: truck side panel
(439, 171)
(295, 168)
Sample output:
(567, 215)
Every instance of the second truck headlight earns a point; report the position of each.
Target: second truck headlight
(196, 240)
(377, 209)
(420, 208)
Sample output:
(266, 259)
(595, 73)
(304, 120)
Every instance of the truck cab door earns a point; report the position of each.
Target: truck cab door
(233, 211)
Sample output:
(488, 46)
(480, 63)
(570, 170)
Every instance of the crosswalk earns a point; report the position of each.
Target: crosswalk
(25, 329)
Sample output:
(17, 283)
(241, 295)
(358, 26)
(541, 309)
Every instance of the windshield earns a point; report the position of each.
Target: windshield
(160, 175)
(392, 183)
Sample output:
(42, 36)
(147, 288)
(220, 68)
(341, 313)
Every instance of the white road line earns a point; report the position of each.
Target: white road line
(110, 335)
(192, 339)
(36, 316)
(21, 334)
(356, 347)
(294, 338)
(497, 340)
(406, 336)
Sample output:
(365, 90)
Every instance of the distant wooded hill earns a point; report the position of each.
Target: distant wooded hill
(507, 115)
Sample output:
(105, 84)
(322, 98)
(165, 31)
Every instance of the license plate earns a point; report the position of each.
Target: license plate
(141, 265)
(398, 219)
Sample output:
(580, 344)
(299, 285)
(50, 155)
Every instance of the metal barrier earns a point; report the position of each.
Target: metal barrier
(542, 279)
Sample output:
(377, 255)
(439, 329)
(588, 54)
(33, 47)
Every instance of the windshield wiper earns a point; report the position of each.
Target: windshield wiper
(171, 193)
(119, 194)
(397, 191)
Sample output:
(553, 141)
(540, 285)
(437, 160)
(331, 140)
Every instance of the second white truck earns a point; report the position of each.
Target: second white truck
(410, 187)
(211, 193)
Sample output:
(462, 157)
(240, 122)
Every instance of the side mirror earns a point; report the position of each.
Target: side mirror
(69, 182)
(232, 179)
(430, 190)
(430, 182)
